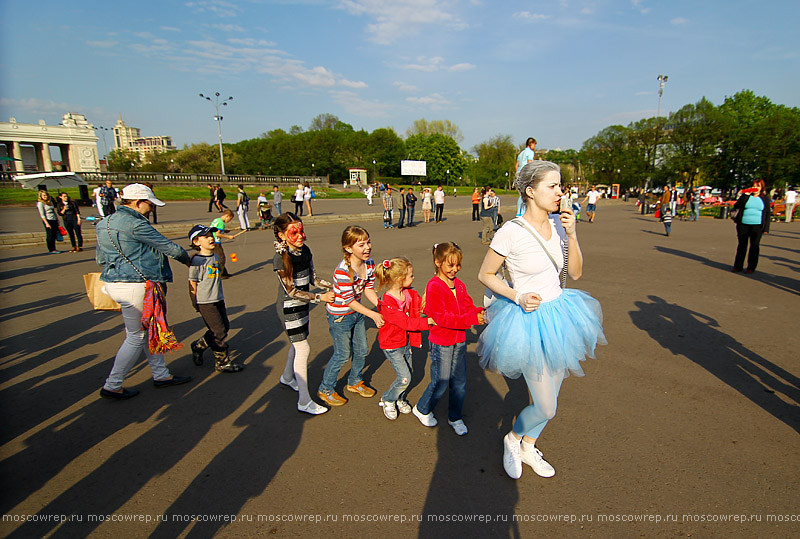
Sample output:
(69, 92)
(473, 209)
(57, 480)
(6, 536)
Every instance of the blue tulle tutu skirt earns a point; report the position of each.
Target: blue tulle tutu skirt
(560, 333)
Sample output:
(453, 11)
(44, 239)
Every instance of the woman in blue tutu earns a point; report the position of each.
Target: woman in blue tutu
(537, 329)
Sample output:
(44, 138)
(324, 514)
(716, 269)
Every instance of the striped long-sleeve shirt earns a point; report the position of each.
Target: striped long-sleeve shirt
(347, 290)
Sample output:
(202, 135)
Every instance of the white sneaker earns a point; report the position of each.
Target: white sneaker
(290, 383)
(403, 407)
(511, 457)
(531, 456)
(389, 410)
(459, 427)
(311, 408)
(426, 419)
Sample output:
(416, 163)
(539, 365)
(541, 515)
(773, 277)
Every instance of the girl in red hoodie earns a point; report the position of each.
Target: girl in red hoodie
(452, 310)
(403, 327)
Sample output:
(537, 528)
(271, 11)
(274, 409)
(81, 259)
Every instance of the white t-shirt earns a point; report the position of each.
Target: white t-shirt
(298, 194)
(593, 196)
(438, 196)
(306, 193)
(528, 265)
(791, 197)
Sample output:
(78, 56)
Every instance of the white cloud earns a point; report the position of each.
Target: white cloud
(352, 84)
(461, 67)
(170, 29)
(637, 5)
(403, 87)
(50, 111)
(436, 63)
(250, 42)
(434, 101)
(352, 103)
(102, 44)
(229, 28)
(679, 20)
(220, 8)
(316, 76)
(587, 11)
(402, 18)
(527, 15)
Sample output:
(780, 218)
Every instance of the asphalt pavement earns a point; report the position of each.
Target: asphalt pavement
(686, 424)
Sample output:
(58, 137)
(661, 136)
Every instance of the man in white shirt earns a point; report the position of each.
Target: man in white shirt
(369, 192)
(438, 199)
(592, 197)
(98, 200)
(791, 201)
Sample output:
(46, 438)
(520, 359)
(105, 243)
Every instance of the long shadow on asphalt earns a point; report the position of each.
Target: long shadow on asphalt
(472, 464)
(182, 417)
(699, 338)
(20, 272)
(781, 283)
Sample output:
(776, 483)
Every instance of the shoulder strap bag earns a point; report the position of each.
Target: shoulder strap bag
(564, 249)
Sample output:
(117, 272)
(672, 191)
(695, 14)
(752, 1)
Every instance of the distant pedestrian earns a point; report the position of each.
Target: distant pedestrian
(752, 221)
(427, 204)
(219, 224)
(369, 193)
(242, 207)
(220, 196)
(108, 194)
(298, 200)
(388, 208)
(46, 207)
(666, 218)
(277, 199)
(402, 208)
(438, 199)
(791, 202)
(591, 197)
(71, 215)
(476, 203)
(307, 195)
(211, 198)
(411, 203)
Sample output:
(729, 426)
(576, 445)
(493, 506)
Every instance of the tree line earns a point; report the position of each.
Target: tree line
(726, 146)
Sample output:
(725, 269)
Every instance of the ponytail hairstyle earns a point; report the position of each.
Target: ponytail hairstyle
(281, 224)
(390, 271)
(446, 251)
(352, 235)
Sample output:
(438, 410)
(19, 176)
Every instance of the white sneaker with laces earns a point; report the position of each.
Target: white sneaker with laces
(389, 410)
(403, 407)
(511, 456)
(290, 383)
(459, 427)
(531, 456)
(426, 419)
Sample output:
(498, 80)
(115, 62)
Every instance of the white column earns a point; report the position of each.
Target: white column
(47, 163)
(17, 151)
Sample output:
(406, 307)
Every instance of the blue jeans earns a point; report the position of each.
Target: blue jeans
(277, 206)
(448, 369)
(410, 219)
(695, 212)
(349, 338)
(400, 358)
(402, 217)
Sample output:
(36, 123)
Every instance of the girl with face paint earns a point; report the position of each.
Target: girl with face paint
(295, 268)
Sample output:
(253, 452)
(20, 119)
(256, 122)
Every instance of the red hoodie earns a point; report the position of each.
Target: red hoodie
(452, 316)
(403, 326)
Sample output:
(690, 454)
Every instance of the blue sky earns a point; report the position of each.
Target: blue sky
(557, 70)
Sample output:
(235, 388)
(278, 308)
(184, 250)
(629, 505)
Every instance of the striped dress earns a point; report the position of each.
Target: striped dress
(291, 311)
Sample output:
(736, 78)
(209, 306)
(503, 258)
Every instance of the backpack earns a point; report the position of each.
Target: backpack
(245, 199)
(313, 194)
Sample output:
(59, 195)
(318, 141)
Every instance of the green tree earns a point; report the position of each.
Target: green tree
(441, 153)
(122, 160)
(440, 127)
(778, 140)
(690, 139)
(323, 121)
(495, 158)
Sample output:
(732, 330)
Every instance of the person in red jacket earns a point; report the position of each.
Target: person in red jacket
(401, 310)
(452, 310)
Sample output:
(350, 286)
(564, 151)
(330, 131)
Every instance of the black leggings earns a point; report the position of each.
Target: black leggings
(748, 234)
(51, 235)
(298, 208)
(439, 212)
(73, 229)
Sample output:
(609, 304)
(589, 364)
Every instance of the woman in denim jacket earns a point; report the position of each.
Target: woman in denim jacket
(131, 251)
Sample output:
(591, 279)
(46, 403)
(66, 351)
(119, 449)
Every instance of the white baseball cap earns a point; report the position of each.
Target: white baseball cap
(138, 191)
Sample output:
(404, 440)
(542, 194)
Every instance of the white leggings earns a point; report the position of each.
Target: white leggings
(297, 368)
(544, 392)
(130, 296)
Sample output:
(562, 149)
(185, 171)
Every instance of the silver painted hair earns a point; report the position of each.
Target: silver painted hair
(531, 174)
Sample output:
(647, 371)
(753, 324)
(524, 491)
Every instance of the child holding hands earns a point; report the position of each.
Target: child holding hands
(205, 291)
(453, 312)
(403, 327)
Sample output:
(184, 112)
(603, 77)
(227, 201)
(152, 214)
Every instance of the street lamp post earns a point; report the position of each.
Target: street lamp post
(218, 118)
(662, 80)
(105, 146)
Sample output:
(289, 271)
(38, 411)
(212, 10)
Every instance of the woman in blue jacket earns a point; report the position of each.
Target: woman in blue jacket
(752, 221)
(132, 252)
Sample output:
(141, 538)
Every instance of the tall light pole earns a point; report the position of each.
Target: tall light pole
(105, 147)
(218, 118)
(662, 80)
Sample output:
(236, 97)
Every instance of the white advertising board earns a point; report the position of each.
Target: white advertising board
(413, 168)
